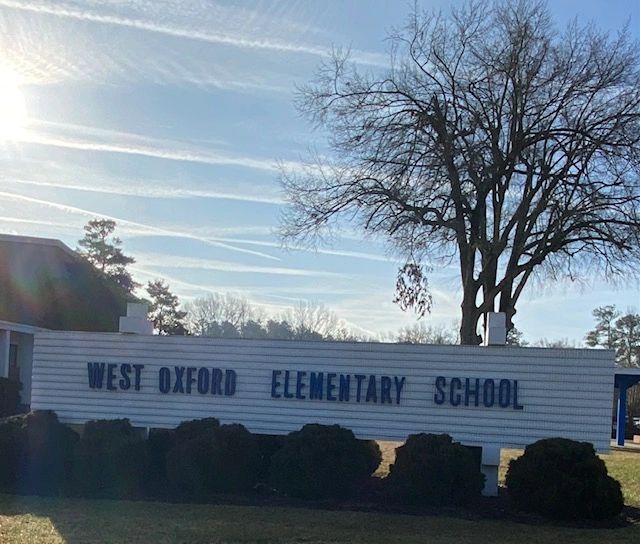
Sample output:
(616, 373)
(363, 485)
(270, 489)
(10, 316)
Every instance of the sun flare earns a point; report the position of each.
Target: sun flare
(13, 110)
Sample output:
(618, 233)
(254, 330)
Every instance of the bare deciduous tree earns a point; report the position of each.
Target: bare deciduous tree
(493, 139)
(311, 321)
(421, 333)
(216, 309)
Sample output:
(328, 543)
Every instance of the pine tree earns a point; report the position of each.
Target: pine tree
(102, 250)
(614, 330)
(167, 318)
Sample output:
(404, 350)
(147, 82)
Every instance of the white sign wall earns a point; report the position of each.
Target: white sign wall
(489, 396)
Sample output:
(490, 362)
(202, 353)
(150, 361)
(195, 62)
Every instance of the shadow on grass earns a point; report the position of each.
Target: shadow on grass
(264, 520)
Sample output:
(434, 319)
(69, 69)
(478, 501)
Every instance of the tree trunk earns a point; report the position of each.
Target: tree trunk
(469, 322)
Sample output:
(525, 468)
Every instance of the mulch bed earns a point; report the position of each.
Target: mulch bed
(372, 497)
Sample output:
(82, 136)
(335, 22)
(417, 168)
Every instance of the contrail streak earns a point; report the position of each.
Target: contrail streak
(362, 57)
(146, 228)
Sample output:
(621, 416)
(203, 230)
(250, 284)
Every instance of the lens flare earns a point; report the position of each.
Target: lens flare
(13, 110)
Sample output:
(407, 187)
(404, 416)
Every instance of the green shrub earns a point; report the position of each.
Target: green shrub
(432, 470)
(268, 445)
(159, 443)
(9, 397)
(36, 453)
(321, 461)
(215, 459)
(111, 460)
(11, 452)
(563, 479)
(195, 428)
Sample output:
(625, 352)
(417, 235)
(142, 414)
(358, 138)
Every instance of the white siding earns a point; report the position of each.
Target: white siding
(564, 392)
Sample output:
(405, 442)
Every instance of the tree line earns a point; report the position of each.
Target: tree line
(221, 315)
(225, 315)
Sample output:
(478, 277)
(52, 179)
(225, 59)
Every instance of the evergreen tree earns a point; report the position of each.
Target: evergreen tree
(614, 330)
(167, 318)
(103, 251)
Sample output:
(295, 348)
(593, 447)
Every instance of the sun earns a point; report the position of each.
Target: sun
(13, 110)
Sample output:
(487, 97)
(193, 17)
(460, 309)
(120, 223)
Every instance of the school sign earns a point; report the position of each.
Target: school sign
(493, 397)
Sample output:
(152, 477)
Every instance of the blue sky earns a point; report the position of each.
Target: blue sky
(171, 117)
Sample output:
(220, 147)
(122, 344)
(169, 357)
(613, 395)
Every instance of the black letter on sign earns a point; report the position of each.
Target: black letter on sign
(287, 376)
(138, 369)
(372, 393)
(164, 380)
(359, 378)
(469, 392)
(230, 382)
(96, 374)
(190, 378)
(516, 406)
(315, 385)
(441, 382)
(504, 393)
(125, 382)
(385, 389)
(330, 386)
(216, 381)
(300, 385)
(345, 384)
(111, 376)
(489, 396)
(203, 380)
(399, 385)
(178, 387)
(454, 398)
(275, 384)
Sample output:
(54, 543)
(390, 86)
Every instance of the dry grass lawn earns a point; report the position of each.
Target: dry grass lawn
(26, 520)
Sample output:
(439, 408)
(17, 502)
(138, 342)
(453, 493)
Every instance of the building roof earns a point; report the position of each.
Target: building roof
(44, 283)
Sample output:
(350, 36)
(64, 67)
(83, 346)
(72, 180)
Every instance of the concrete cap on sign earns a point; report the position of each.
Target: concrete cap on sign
(137, 309)
(135, 325)
(495, 332)
(136, 322)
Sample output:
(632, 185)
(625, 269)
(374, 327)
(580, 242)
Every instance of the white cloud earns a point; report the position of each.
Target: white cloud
(180, 262)
(321, 251)
(200, 32)
(133, 227)
(152, 189)
(91, 139)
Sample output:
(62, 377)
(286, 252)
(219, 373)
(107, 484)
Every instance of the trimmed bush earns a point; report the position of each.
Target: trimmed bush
(159, 443)
(215, 459)
(563, 479)
(195, 428)
(321, 461)
(268, 445)
(36, 454)
(12, 444)
(432, 470)
(111, 461)
(9, 397)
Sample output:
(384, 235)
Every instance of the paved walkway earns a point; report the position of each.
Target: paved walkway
(628, 446)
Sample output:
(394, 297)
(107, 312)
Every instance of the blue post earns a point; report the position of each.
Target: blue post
(622, 414)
